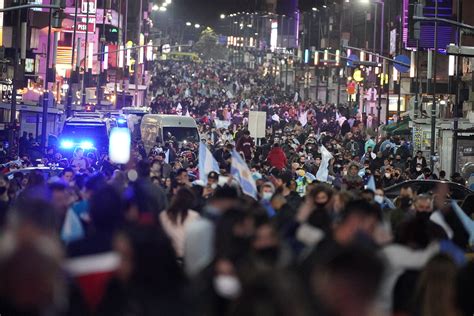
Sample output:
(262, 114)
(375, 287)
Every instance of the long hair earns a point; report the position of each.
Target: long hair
(181, 202)
(435, 292)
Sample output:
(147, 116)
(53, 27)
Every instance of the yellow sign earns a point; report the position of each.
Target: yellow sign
(358, 75)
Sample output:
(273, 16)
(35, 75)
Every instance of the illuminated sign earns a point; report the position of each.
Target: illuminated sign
(89, 4)
(274, 36)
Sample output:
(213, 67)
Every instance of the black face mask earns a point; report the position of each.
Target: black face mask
(424, 216)
(405, 202)
(320, 205)
(268, 255)
(3, 190)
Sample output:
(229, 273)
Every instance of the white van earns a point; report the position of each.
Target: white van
(158, 128)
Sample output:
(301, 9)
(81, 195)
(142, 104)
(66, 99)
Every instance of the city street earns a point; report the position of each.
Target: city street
(268, 157)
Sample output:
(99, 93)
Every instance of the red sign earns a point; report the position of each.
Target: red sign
(82, 26)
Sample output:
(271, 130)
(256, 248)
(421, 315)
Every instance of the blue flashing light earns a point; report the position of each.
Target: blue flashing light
(121, 121)
(87, 145)
(67, 144)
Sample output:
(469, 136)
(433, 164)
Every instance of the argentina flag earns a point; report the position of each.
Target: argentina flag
(240, 171)
(207, 162)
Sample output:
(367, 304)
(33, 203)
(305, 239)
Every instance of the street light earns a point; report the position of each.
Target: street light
(155, 7)
(314, 9)
(162, 9)
(167, 1)
(188, 23)
(197, 26)
(222, 16)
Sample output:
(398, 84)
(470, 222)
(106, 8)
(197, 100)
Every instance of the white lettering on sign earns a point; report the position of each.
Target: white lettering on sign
(88, 6)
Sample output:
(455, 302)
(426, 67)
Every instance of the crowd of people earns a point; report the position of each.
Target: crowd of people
(159, 236)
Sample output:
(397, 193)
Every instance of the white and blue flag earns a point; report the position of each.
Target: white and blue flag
(207, 162)
(371, 184)
(323, 171)
(466, 221)
(72, 228)
(240, 171)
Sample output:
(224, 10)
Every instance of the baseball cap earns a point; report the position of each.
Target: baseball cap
(213, 175)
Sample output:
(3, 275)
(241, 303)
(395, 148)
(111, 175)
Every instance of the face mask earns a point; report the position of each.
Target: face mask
(418, 169)
(387, 175)
(227, 286)
(423, 215)
(320, 205)
(267, 196)
(269, 254)
(3, 190)
(378, 199)
(344, 173)
(405, 202)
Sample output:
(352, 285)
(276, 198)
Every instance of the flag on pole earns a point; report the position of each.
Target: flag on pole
(207, 162)
(240, 171)
(323, 171)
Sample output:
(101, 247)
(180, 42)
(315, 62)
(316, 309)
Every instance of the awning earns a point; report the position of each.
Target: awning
(403, 128)
(391, 128)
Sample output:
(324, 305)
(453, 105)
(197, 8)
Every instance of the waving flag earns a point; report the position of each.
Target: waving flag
(207, 162)
(323, 171)
(466, 221)
(72, 228)
(240, 171)
(371, 184)
(303, 118)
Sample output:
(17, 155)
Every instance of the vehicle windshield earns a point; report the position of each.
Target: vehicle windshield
(79, 131)
(180, 134)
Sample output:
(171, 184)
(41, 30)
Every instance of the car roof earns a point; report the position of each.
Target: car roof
(432, 181)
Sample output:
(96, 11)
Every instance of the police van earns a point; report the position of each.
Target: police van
(158, 128)
(90, 132)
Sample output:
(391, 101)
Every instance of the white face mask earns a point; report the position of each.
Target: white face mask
(418, 169)
(387, 175)
(378, 199)
(267, 196)
(227, 286)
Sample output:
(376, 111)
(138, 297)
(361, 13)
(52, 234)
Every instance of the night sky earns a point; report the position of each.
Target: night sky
(207, 12)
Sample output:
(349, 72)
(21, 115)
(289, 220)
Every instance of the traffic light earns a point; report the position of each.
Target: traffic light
(415, 8)
(58, 15)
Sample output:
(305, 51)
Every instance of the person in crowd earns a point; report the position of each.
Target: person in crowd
(419, 160)
(352, 180)
(78, 161)
(436, 288)
(245, 145)
(178, 215)
(68, 176)
(307, 227)
(276, 157)
(148, 279)
(4, 199)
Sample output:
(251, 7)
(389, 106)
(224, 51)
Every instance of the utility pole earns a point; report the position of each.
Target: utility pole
(125, 70)
(101, 64)
(74, 72)
(457, 105)
(85, 77)
(44, 125)
(433, 107)
(137, 53)
(16, 75)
